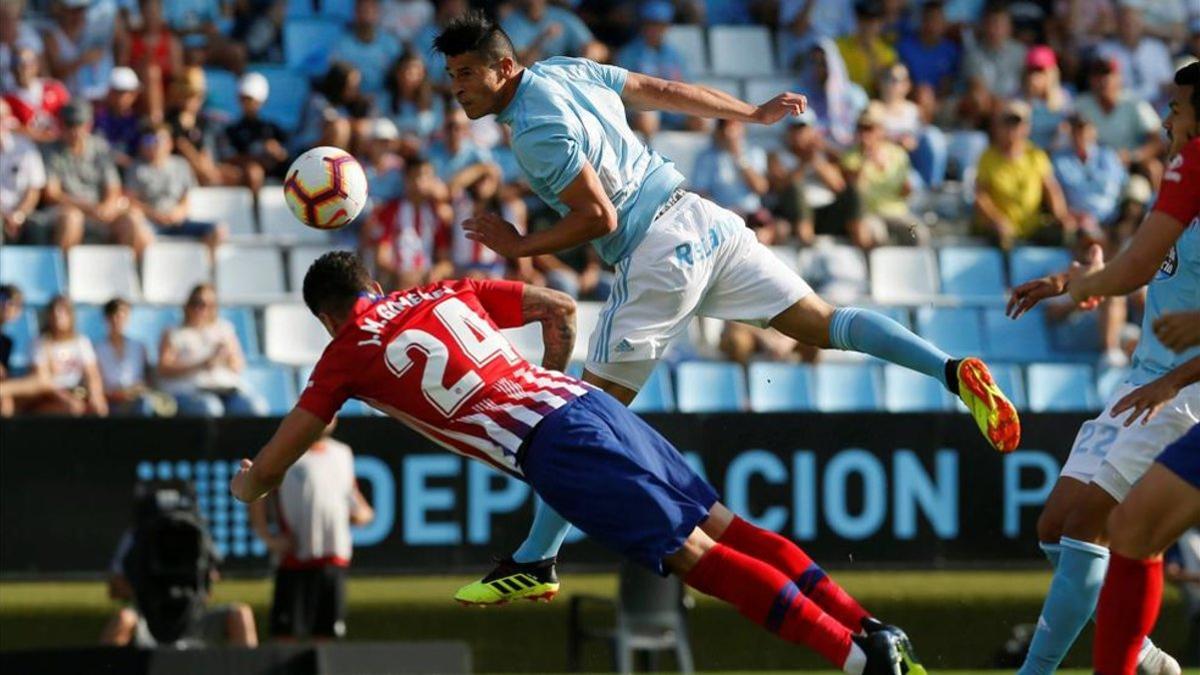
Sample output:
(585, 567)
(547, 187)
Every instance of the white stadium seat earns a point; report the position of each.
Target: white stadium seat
(740, 51)
(277, 222)
(762, 89)
(681, 147)
(293, 335)
(98, 274)
(233, 206)
(171, 269)
(688, 40)
(903, 274)
(299, 259)
(250, 275)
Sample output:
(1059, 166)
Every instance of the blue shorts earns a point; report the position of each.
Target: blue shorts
(614, 477)
(1183, 456)
(193, 229)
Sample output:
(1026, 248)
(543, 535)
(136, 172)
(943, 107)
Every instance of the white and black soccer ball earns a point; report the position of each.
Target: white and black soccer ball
(325, 188)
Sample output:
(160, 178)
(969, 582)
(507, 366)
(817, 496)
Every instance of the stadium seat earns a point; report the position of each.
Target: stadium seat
(287, 98)
(838, 272)
(292, 335)
(246, 327)
(89, 321)
(740, 51)
(705, 386)
(528, 341)
(100, 273)
(587, 317)
(299, 259)
(847, 387)
(955, 330)
(170, 269)
(681, 147)
(275, 220)
(221, 99)
(275, 383)
(780, 387)
(233, 206)
(1061, 387)
(688, 40)
(1030, 262)
(250, 275)
(974, 274)
(23, 331)
(147, 323)
(37, 270)
(1021, 341)
(907, 390)
(1108, 381)
(307, 43)
(656, 395)
(903, 274)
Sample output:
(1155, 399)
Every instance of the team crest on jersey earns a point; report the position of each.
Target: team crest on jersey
(1169, 265)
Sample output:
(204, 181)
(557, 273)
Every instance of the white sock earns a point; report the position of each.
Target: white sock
(856, 661)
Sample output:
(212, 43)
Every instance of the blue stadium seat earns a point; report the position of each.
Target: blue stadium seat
(972, 273)
(147, 324)
(955, 330)
(288, 95)
(1061, 387)
(1030, 262)
(703, 386)
(89, 321)
(307, 43)
(907, 390)
(847, 387)
(275, 383)
(221, 99)
(246, 327)
(778, 387)
(656, 395)
(23, 331)
(341, 10)
(37, 270)
(1022, 341)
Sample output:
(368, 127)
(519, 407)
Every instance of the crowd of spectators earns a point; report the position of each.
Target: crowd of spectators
(1042, 115)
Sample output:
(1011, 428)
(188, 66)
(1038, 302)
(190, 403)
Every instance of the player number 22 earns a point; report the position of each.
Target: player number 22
(472, 333)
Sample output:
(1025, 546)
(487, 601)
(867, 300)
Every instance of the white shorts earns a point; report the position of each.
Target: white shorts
(697, 259)
(1114, 456)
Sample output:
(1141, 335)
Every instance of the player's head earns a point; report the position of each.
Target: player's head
(332, 284)
(481, 62)
(1182, 123)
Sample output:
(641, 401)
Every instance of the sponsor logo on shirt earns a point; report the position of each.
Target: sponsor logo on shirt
(1169, 266)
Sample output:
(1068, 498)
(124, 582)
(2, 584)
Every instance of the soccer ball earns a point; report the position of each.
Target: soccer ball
(325, 188)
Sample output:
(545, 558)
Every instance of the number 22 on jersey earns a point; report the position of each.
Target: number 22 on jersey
(473, 336)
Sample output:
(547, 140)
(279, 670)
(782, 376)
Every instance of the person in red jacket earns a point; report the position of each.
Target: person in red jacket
(36, 100)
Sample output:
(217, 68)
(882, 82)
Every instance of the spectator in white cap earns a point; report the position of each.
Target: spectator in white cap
(382, 164)
(117, 118)
(255, 144)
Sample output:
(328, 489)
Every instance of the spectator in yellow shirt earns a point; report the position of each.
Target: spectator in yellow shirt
(1016, 194)
(866, 53)
(878, 170)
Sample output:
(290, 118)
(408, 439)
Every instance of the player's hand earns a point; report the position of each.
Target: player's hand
(495, 233)
(1094, 263)
(241, 485)
(1030, 293)
(1146, 400)
(1178, 330)
(780, 107)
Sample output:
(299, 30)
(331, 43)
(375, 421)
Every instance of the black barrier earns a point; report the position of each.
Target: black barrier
(866, 488)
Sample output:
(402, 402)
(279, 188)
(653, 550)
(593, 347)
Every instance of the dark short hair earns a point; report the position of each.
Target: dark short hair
(474, 32)
(111, 307)
(333, 282)
(10, 291)
(1189, 76)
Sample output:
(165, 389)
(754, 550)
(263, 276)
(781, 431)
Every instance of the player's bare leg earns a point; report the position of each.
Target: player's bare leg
(1157, 511)
(618, 391)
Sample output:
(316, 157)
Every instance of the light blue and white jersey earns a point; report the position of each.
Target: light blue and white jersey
(567, 111)
(1176, 286)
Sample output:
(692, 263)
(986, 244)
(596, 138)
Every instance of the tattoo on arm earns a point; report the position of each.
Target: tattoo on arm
(556, 312)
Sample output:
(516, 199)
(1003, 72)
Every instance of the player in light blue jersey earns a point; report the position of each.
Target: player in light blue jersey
(676, 254)
(1110, 456)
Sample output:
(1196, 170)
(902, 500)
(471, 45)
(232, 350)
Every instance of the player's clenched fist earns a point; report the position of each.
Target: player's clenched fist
(1178, 331)
(495, 233)
(241, 485)
(779, 107)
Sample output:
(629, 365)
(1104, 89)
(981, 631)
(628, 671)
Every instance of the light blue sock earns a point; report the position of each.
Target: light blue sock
(1053, 553)
(545, 535)
(861, 330)
(1069, 604)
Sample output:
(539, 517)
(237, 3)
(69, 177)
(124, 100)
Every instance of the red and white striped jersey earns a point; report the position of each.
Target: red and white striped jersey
(433, 358)
(413, 231)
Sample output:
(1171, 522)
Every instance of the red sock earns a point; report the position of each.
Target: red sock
(785, 556)
(764, 595)
(1129, 602)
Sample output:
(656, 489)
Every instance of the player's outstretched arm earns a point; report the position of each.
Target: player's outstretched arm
(645, 92)
(1149, 398)
(1134, 266)
(295, 435)
(556, 311)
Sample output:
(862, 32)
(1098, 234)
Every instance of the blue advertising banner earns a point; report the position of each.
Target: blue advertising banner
(867, 489)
